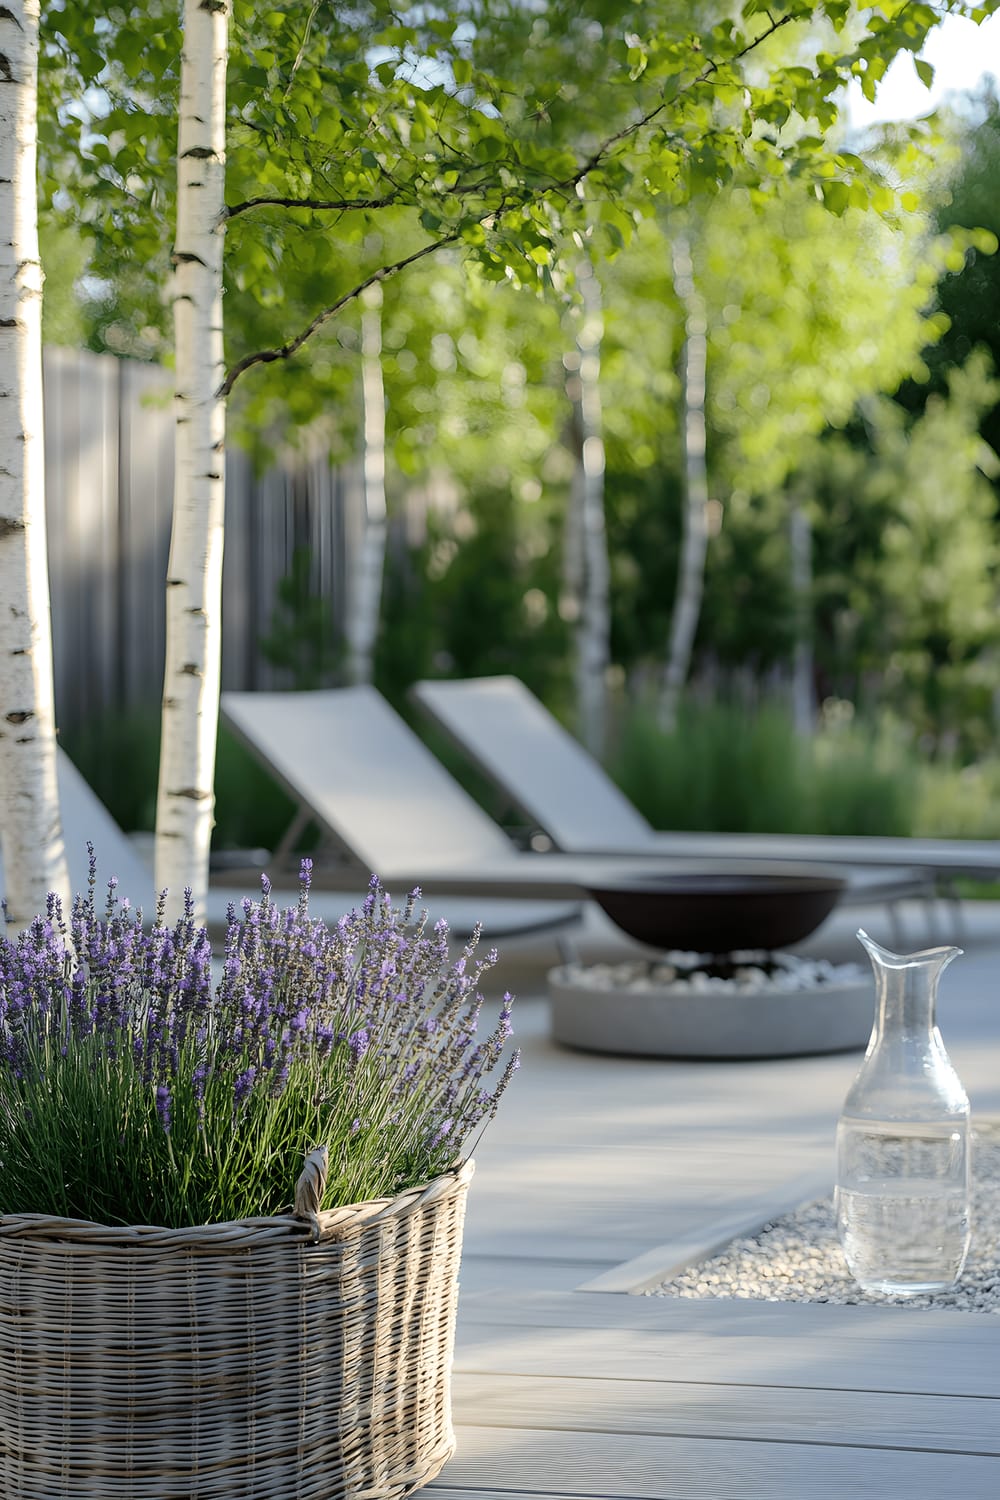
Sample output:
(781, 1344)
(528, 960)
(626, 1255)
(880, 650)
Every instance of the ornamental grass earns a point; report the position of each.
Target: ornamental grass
(142, 1084)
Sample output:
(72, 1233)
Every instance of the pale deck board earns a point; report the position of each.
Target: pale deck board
(531, 1462)
(491, 1275)
(732, 1318)
(763, 1413)
(802, 1346)
(567, 1222)
(866, 1365)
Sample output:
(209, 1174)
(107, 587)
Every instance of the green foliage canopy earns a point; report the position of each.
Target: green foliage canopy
(494, 127)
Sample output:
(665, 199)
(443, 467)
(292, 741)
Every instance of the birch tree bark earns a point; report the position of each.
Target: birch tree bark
(34, 857)
(366, 588)
(593, 629)
(803, 691)
(185, 798)
(694, 540)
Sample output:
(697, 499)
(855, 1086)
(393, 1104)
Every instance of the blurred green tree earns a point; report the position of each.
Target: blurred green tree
(908, 563)
(968, 289)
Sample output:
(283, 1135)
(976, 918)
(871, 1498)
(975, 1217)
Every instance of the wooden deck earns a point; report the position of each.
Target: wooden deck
(601, 1174)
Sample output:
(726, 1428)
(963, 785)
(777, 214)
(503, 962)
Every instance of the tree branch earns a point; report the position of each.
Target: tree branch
(269, 356)
(627, 132)
(232, 210)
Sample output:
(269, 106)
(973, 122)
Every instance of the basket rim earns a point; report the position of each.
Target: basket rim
(328, 1225)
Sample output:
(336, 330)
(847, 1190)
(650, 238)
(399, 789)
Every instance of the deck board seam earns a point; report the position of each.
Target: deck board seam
(461, 1371)
(526, 1425)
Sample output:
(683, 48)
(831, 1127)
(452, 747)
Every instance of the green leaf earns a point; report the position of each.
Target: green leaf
(836, 197)
(488, 148)
(636, 58)
(924, 71)
(328, 127)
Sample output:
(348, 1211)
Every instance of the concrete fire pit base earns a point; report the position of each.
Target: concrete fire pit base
(667, 1010)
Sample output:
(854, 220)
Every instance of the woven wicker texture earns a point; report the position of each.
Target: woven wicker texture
(301, 1358)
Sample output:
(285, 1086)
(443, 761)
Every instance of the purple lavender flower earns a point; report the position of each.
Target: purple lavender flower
(163, 1105)
(244, 1083)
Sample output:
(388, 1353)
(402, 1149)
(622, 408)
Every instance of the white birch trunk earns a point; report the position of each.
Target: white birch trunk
(593, 628)
(185, 801)
(694, 541)
(571, 590)
(803, 691)
(34, 857)
(366, 590)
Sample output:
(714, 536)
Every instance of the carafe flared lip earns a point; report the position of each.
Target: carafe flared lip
(885, 958)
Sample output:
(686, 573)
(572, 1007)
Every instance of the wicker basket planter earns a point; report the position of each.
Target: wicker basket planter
(293, 1358)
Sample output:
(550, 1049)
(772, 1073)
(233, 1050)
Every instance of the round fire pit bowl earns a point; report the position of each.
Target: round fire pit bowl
(769, 1006)
(720, 911)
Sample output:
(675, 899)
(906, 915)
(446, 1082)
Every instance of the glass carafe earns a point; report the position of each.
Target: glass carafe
(903, 1170)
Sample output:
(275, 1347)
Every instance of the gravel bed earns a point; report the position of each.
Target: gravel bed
(742, 971)
(798, 1258)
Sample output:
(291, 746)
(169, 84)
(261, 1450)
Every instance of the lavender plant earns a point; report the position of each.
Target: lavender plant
(136, 1089)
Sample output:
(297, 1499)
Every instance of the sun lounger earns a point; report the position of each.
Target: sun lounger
(553, 781)
(385, 804)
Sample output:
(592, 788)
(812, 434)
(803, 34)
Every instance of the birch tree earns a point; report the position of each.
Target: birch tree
(590, 582)
(34, 858)
(366, 586)
(803, 664)
(694, 537)
(194, 572)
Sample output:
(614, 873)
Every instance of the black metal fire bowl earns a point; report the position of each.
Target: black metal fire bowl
(720, 911)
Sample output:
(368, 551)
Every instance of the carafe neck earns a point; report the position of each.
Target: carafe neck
(906, 988)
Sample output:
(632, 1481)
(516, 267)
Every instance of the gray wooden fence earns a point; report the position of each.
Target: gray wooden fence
(109, 479)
